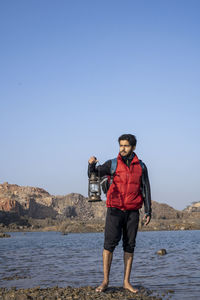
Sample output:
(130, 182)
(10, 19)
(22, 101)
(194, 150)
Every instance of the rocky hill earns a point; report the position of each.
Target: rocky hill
(31, 201)
(22, 207)
(194, 207)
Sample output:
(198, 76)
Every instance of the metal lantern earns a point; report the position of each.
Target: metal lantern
(94, 188)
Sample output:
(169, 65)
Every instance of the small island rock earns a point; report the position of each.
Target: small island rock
(162, 252)
(4, 235)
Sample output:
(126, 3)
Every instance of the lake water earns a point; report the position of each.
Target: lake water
(47, 259)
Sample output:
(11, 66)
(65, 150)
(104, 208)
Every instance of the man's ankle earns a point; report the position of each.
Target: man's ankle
(126, 282)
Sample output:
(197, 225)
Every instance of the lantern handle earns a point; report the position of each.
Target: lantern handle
(98, 164)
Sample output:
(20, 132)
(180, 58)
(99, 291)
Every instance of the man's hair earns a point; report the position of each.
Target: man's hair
(128, 137)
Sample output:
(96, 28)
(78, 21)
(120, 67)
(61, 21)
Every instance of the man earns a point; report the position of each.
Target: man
(128, 190)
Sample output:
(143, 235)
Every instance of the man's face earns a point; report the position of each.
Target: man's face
(125, 149)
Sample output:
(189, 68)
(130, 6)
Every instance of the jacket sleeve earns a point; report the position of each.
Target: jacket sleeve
(100, 170)
(146, 191)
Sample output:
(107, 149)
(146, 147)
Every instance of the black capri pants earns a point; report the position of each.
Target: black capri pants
(118, 223)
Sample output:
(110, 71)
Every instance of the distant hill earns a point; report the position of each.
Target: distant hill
(23, 207)
(194, 207)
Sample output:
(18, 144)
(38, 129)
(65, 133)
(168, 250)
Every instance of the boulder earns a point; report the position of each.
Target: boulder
(162, 252)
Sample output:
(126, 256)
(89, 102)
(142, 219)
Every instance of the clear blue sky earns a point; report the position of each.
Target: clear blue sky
(74, 75)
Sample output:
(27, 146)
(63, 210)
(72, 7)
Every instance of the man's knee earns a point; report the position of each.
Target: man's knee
(129, 247)
(110, 247)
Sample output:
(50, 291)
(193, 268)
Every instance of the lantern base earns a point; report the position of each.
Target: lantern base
(94, 199)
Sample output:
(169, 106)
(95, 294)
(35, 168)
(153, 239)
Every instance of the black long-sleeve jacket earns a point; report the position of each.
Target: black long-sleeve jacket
(105, 169)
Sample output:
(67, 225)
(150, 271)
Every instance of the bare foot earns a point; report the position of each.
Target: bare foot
(129, 287)
(102, 287)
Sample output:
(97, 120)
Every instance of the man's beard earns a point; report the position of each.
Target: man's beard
(126, 154)
(123, 153)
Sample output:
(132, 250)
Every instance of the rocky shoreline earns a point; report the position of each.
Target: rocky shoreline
(76, 226)
(81, 293)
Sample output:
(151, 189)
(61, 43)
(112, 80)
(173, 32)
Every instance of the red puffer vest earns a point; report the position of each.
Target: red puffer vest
(124, 192)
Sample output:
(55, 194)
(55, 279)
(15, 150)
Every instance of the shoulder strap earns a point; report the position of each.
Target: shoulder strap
(113, 166)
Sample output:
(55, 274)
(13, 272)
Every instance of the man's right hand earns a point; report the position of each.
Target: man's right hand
(92, 160)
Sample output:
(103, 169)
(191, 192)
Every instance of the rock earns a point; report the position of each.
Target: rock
(69, 293)
(162, 252)
(14, 277)
(162, 211)
(21, 297)
(4, 235)
(194, 207)
(31, 201)
(64, 233)
(10, 205)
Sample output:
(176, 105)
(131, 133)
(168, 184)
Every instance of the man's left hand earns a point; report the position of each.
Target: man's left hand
(147, 219)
